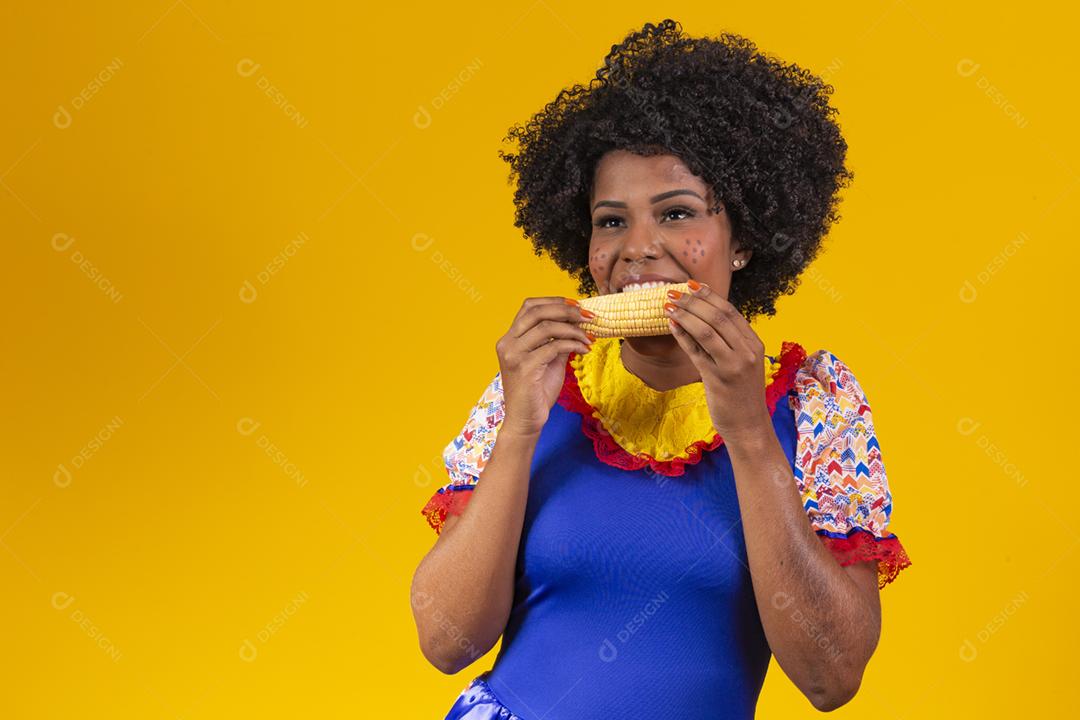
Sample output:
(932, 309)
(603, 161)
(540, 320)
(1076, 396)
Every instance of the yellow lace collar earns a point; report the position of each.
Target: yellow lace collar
(661, 424)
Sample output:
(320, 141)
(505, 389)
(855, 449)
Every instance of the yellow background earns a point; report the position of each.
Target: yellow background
(210, 498)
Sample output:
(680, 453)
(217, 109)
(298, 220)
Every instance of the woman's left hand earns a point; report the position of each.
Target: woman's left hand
(730, 357)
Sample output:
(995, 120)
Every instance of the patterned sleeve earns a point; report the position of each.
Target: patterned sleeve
(466, 455)
(839, 468)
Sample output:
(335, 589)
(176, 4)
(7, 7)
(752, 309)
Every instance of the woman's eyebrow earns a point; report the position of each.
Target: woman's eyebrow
(654, 199)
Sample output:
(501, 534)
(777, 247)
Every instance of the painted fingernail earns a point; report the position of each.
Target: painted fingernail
(668, 307)
(674, 294)
(571, 301)
(587, 313)
(694, 284)
(592, 338)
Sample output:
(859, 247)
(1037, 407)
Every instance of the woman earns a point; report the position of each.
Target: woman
(657, 515)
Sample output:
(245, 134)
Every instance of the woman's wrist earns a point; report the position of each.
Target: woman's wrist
(518, 431)
(752, 439)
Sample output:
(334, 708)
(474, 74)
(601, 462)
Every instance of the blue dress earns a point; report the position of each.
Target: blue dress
(633, 595)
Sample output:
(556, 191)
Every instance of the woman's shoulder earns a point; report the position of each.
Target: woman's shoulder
(468, 452)
(824, 384)
(839, 466)
(466, 455)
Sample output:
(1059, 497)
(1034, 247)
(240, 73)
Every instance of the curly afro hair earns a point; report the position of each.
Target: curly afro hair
(757, 131)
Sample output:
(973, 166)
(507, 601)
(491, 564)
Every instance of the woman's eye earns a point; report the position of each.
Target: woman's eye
(678, 213)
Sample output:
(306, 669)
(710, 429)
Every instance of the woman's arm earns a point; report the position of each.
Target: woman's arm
(822, 620)
(463, 589)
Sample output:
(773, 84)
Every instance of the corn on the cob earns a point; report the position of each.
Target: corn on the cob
(634, 313)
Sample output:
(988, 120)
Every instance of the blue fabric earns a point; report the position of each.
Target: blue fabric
(633, 597)
(479, 702)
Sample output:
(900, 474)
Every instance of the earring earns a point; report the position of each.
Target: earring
(737, 263)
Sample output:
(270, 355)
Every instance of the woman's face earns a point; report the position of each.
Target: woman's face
(651, 215)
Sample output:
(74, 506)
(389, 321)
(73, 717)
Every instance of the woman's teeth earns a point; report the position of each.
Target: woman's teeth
(642, 286)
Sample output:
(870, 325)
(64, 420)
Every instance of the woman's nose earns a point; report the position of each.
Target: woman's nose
(641, 241)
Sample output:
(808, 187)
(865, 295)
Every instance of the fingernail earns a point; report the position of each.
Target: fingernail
(587, 313)
(571, 301)
(592, 338)
(694, 284)
(668, 307)
(674, 294)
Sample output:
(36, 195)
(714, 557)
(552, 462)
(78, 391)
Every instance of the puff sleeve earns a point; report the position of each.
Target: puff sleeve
(839, 469)
(466, 455)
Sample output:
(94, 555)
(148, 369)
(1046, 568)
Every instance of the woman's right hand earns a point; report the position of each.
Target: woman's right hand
(532, 359)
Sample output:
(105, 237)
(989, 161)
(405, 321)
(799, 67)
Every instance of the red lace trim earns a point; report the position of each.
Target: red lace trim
(442, 503)
(862, 546)
(608, 451)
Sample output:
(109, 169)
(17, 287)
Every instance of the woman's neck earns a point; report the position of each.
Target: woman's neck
(658, 361)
